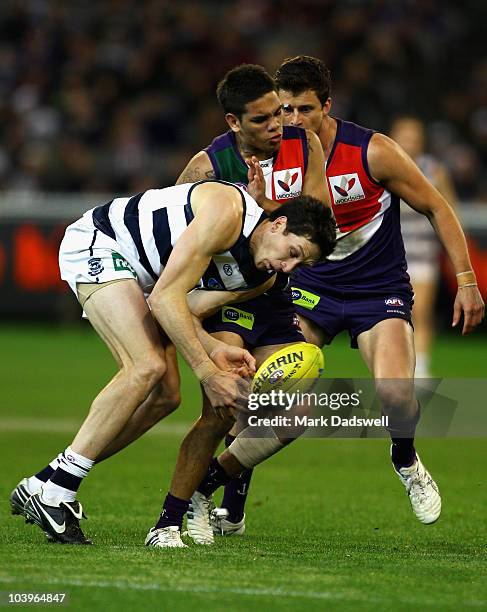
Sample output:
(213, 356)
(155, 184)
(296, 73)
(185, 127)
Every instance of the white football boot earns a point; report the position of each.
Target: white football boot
(422, 490)
(165, 537)
(222, 526)
(198, 519)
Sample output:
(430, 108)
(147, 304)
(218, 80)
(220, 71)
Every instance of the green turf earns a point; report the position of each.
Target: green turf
(329, 525)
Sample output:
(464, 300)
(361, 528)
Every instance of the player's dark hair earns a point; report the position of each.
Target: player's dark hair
(297, 74)
(308, 217)
(241, 85)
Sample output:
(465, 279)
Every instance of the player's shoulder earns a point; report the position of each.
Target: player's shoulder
(352, 133)
(223, 141)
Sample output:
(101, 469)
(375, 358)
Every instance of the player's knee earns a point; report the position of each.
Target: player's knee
(147, 373)
(214, 424)
(396, 396)
(165, 403)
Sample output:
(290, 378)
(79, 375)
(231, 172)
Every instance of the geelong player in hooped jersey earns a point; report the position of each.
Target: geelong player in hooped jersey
(164, 242)
(363, 287)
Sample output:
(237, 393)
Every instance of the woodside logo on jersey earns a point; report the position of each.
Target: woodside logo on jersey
(346, 188)
(288, 183)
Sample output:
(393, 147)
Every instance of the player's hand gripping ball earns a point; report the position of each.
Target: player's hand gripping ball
(293, 368)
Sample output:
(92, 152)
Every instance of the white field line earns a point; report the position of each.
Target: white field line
(63, 425)
(220, 589)
(153, 586)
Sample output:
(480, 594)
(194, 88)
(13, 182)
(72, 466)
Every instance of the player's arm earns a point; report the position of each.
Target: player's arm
(205, 303)
(199, 168)
(315, 184)
(445, 186)
(392, 167)
(206, 235)
(225, 356)
(256, 185)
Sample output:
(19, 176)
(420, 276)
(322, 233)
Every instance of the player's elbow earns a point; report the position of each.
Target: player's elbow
(160, 302)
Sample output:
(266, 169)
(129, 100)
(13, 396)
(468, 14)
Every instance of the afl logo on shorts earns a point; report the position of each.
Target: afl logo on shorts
(296, 294)
(231, 314)
(227, 268)
(95, 266)
(394, 302)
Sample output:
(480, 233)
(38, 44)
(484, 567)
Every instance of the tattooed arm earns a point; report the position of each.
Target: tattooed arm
(315, 178)
(198, 169)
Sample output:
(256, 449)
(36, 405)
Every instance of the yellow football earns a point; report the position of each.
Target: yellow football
(295, 367)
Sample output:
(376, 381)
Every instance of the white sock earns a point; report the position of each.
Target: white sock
(422, 365)
(72, 468)
(34, 484)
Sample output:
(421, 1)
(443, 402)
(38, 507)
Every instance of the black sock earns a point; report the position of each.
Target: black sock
(236, 491)
(45, 474)
(173, 512)
(403, 453)
(215, 478)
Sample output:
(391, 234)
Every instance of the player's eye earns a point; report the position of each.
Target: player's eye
(287, 110)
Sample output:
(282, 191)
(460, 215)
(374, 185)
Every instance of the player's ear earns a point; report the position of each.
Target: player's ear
(279, 224)
(233, 122)
(327, 107)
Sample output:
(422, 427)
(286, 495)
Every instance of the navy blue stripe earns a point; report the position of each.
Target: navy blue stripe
(365, 163)
(101, 220)
(335, 142)
(93, 242)
(214, 163)
(162, 234)
(211, 277)
(66, 480)
(304, 143)
(131, 220)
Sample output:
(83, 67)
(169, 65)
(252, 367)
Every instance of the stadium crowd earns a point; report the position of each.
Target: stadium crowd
(116, 95)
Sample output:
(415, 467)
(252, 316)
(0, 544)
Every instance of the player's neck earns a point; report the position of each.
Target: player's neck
(247, 151)
(327, 134)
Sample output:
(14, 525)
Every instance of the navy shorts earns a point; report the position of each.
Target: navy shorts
(354, 314)
(263, 321)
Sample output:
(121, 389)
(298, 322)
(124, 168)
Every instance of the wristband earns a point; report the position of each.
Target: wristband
(205, 370)
(467, 278)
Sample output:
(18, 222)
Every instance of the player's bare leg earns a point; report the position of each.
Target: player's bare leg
(162, 401)
(229, 519)
(194, 457)
(388, 350)
(312, 333)
(423, 320)
(132, 335)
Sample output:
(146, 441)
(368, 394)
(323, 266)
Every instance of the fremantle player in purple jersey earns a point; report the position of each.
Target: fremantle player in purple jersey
(363, 287)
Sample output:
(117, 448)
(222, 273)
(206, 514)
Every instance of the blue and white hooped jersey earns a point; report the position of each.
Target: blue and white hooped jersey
(148, 225)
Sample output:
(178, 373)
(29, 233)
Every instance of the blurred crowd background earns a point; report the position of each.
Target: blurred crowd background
(116, 95)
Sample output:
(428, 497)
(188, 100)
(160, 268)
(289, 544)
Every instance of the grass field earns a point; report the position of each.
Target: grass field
(329, 525)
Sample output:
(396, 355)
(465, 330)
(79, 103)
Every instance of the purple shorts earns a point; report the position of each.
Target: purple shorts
(264, 321)
(356, 315)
